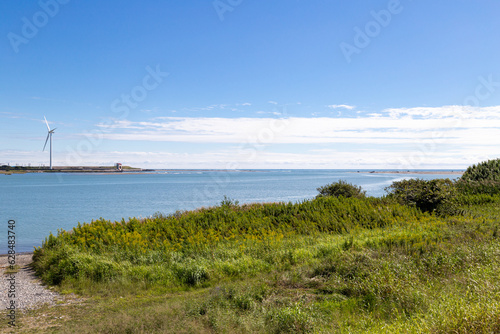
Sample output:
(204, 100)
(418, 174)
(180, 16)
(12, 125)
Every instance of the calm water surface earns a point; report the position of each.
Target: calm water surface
(43, 203)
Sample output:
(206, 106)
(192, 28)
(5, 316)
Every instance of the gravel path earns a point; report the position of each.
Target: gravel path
(30, 293)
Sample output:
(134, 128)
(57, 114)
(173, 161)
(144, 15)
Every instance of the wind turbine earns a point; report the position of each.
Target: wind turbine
(49, 134)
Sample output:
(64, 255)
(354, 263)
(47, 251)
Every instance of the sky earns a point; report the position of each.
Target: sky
(239, 84)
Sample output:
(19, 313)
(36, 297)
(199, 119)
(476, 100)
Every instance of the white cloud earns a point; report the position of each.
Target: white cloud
(459, 112)
(393, 126)
(276, 113)
(444, 137)
(342, 106)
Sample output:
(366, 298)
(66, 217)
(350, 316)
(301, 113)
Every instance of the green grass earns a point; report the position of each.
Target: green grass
(12, 269)
(329, 265)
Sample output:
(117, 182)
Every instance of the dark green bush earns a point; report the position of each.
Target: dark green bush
(482, 187)
(341, 188)
(486, 170)
(427, 195)
(481, 179)
(475, 199)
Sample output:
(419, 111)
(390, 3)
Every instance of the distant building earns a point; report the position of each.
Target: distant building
(118, 166)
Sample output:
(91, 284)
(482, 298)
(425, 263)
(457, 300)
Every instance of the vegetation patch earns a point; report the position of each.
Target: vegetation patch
(341, 188)
(403, 263)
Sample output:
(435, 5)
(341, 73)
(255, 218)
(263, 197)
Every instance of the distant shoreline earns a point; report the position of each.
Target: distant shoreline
(414, 172)
(69, 169)
(132, 170)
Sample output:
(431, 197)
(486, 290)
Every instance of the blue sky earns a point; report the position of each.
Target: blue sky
(251, 84)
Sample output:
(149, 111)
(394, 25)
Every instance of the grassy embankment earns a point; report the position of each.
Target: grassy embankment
(326, 265)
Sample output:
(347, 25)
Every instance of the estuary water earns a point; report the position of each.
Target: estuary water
(41, 203)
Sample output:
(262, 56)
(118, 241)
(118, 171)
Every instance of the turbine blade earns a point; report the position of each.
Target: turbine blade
(46, 140)
(48, 127)
(53, 130)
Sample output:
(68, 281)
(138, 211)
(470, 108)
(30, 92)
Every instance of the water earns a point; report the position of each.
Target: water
(42, 203)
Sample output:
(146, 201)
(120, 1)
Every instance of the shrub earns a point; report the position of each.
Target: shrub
(475, 199)
(481, 179)
(427, 195)
(228, 202)
(341, 188)
(486, 170)
(482, 187)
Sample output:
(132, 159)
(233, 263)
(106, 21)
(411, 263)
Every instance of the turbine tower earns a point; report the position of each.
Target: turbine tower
(49, 134)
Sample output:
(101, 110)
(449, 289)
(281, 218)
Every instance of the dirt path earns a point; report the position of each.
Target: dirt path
(29, 291)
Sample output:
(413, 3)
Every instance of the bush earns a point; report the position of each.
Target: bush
(481, 179)
(486, 170)
(475, 199)
(483, 187)
(341, 188)
(427, 195)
